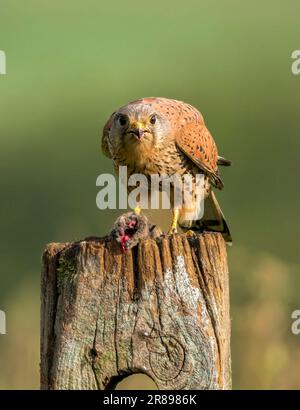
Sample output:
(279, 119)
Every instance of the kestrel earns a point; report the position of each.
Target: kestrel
(164, 136)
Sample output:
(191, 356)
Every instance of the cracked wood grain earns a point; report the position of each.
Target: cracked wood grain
(161, 309)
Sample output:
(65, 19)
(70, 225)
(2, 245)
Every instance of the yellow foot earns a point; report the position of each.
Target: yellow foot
(137, 210)
(172, 230)
(190, 233)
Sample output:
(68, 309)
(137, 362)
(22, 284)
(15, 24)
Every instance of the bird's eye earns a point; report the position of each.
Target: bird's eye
(123, 120)
(153, 119)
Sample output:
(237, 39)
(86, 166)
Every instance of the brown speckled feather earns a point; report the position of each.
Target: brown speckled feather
(197, 143)
(190, 134)
(104, 142)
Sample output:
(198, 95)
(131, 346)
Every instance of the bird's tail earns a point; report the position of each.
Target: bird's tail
(213, 219)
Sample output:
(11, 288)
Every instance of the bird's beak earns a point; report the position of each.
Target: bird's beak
(138, 130)
(138, 133)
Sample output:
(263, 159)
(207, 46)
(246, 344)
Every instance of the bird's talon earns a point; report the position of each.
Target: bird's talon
(172, 231)
(190, 233)
(137, 210)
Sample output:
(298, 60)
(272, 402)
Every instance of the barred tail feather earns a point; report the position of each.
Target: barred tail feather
(213, 220)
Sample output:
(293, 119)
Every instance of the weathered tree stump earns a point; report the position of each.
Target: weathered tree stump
(161, 309)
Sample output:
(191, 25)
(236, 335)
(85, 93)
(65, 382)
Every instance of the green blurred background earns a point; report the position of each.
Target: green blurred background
(69, 65)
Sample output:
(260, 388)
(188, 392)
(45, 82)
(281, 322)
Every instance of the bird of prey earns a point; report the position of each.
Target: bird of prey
(165, 137)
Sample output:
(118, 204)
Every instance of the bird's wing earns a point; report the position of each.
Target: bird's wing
(223, 161)
(191, 135)
(194, 139)
(104, 142)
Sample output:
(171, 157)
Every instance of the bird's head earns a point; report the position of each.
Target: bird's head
(139, 125)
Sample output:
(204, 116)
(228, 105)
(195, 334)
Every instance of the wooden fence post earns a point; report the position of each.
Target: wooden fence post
(161, 309)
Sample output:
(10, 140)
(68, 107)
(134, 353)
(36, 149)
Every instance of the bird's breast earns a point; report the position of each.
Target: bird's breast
(166, 159)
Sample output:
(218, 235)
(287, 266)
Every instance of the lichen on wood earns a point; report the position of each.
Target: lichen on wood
(161, 308)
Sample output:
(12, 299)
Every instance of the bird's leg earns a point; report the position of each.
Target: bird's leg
(137, 210)
(173, 228)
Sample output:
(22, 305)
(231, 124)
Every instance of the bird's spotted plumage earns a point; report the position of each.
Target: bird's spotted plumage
(165, 136)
